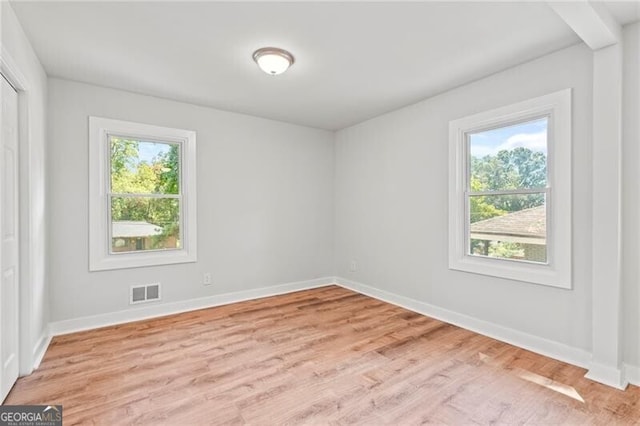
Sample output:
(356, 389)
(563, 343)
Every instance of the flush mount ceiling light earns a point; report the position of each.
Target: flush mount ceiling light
(272, 60)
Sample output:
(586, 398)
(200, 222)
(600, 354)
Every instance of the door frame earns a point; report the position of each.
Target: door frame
(10, 70)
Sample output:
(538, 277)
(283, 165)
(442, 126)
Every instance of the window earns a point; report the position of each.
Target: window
(142, 195)
(506, 191)
(510, 191)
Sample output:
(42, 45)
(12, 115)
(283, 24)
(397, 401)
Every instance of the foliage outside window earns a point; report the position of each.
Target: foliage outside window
(510, 191)
(507, 191)
(145, 195)
(142, 195)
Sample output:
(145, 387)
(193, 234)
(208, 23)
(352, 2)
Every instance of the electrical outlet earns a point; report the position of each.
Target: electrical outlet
(206, 278)
(353, 266)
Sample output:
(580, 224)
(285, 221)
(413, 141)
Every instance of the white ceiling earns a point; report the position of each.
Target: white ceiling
(353, 60)
(625, 12)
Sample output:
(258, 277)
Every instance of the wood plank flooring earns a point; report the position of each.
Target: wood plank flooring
(323, 356)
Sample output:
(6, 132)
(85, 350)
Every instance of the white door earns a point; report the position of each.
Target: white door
(8, 238)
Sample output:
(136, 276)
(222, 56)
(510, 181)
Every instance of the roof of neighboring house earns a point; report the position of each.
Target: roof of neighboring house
(134, 229)
(527, 226)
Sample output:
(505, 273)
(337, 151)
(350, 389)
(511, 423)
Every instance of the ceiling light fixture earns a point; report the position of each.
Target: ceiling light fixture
(272, 60)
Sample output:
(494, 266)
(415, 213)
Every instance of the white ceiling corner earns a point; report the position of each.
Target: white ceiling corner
(591, 21)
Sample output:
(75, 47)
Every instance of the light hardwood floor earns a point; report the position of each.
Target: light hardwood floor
(323, 356)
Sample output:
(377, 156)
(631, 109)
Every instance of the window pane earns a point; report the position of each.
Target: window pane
(511, 157)
(144, 223)
(508, 226)
(142, 167)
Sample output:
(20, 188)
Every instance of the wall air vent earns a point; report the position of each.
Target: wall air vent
(144, 293)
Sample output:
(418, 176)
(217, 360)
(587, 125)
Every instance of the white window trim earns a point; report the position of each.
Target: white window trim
(557, 272)
(100, 257)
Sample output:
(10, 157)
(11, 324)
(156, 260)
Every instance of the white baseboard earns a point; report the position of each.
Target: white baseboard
(611, 376)
(41, 348)
(527, 341)
(158, 310)
(632, 374)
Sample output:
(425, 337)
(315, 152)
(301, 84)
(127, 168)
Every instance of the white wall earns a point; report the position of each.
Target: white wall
(265, 201)
(391, 197)
(17, 51)
(631, 194)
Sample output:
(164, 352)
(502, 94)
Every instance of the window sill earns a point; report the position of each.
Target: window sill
(528, 272)
(140, 260)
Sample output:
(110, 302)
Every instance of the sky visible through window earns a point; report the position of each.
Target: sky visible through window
(530, 134)
(147, 151)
